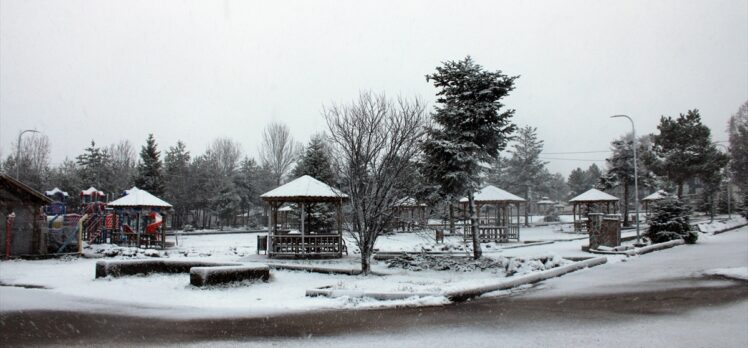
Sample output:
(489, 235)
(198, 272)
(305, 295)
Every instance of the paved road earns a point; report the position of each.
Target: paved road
(654, 300)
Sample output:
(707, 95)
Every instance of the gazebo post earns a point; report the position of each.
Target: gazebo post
(303, 245)
(339, 218)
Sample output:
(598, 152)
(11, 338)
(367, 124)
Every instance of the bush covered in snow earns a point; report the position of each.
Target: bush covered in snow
(670, 221)
(510, 266)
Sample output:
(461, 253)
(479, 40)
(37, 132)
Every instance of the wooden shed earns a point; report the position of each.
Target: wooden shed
(22, 220)
(303, 191)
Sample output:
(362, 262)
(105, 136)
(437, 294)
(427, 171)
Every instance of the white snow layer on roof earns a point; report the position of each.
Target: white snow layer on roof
(492, 193)
(55, 191)
(594, 195)
(139, 198)
(655, 196)
(91, 190)
(305, 186)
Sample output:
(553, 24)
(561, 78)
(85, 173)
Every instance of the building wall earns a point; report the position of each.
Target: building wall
(27, 232)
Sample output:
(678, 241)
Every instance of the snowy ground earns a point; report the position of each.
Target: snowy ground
(70, 283)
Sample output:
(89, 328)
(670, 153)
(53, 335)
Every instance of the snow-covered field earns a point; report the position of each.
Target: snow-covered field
(70, 283)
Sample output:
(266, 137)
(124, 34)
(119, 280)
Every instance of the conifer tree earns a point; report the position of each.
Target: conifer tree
(471, 126)
(150, 176)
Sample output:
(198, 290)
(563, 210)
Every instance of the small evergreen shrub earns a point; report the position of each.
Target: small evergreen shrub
(670, 221)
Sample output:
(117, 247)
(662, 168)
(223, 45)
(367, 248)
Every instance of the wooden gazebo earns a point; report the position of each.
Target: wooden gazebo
(654, 197)
(303, 244)
(409, 213)
(141, 217)
(496, 227)
(592, 201)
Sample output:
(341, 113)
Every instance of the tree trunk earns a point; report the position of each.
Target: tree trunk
(680, 190)
(711, 208)
(626, 221)
(451, 218)
(365, 257)
(527, 206)
(477, 252)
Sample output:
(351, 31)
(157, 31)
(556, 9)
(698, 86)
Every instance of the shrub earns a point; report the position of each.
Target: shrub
(670, 221)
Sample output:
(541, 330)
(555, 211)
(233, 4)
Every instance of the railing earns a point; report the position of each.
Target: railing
(310, 245)
(494, 233)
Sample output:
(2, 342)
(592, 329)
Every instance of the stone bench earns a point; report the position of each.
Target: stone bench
(205, 276)
(133, 267)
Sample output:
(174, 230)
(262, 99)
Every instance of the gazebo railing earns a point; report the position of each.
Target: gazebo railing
(309, 245)
(494, 233)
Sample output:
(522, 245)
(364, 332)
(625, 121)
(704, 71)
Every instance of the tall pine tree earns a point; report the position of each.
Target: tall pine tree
(525, 169)
(471, 127)
(150, 176)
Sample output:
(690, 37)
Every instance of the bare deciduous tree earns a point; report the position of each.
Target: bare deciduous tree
(373, 139)
(33, 162)
(278, 150)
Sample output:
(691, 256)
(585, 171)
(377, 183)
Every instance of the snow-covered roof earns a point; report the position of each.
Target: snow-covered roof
(594, 195)
(91, 190)
(492, 193)
(546, 200)
(409, 202)
(656, 196)
(55, 191)
(304, 188)
(139, 198)
(285, 208)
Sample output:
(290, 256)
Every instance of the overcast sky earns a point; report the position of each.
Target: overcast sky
(197, 70)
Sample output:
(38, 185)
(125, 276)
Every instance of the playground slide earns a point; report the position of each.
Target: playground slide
(157, 221)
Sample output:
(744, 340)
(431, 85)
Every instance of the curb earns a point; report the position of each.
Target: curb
(462, 295)
(729, 229)
(315, 269)
(642, 250)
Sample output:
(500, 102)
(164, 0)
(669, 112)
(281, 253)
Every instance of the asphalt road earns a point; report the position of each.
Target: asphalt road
(500, 315)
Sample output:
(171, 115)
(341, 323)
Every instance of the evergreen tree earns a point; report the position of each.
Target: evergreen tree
(315, 161)
(682, 148)
(524, 168)
(738, 132)
(620, 172)
(592, 176)
(177, 182)
(149, 175)
(470, 129)
(670, 220)
(92, 164)
(577, 182)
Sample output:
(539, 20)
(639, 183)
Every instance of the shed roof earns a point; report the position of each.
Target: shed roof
(493, 194)
(656, 196)
(594, 195)
(305, 188)
(136, 197)
(24, 191)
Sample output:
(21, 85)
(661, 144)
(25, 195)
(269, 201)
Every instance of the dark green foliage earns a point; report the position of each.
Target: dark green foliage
(683, 149)
(150, 176)
(471, 127)
(315, 161)
(93, 167)
(669, 221)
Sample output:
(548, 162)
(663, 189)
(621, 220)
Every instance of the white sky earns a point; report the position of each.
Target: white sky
(197, 70)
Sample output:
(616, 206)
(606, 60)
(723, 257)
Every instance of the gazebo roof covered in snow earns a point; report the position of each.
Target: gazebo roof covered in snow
(546, 200)
(55, 191)
(136, 197)
(656, 196)
(592, 196)
(409, 202)
(493, 194)
(305, 188)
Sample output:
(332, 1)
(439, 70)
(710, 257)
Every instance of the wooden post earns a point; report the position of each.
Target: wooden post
(303, 244)
(340, 226)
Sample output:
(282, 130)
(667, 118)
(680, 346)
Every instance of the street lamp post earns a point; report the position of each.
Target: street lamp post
(636, 177)
(18, 148)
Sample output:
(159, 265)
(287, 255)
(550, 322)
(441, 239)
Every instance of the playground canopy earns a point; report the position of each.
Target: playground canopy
(55, 191)
(136, 197)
